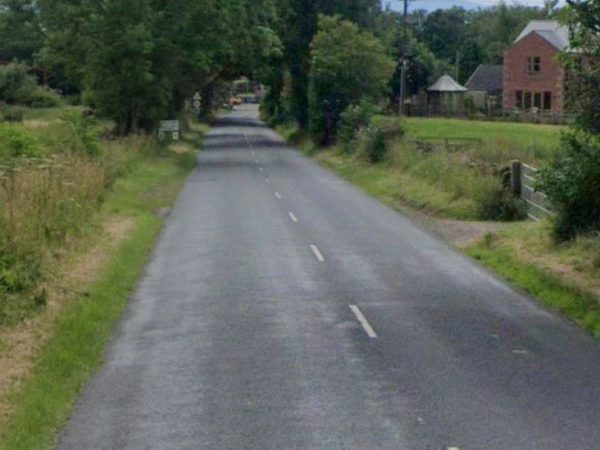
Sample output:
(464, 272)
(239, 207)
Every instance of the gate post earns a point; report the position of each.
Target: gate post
(515, 177)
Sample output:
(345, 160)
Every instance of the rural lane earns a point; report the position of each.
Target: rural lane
(284, 309)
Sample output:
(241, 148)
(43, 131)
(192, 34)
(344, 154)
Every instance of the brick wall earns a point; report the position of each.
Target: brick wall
(517, 77)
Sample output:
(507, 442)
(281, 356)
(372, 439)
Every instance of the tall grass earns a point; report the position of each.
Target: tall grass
(48, 202)
(43, 204)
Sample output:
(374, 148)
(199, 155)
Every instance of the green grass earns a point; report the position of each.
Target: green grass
(530, 142)
(571, 301)
(396, 187)
(74, 351)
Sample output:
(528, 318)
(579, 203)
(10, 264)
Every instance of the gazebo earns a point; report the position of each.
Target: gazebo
(445, 96)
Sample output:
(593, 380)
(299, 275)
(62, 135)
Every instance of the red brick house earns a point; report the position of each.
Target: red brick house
(533, 77)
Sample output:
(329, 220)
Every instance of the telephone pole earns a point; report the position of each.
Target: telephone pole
(403, 61)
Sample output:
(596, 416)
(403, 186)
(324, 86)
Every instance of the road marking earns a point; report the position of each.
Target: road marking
(278, 195)
(267, 180)
(256, 161)
(261, 169)
(363, 321)
(247, 141)
(519, 351)
(293, 217)
(317, 253)
(453, 448)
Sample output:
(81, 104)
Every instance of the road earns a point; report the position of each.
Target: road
(284, 309)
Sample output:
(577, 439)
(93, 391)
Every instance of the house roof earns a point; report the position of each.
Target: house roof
(446, 84)
(486, 78)
(552, 31)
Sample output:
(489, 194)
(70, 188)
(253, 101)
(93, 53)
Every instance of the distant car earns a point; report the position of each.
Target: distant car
(233, 101)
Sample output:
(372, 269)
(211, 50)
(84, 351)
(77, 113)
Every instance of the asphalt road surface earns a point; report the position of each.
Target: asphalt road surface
(284, 309)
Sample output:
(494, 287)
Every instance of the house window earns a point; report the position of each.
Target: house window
(547, 100)
(519, 99)
(534, 65)
(537, 100)
(527, 100)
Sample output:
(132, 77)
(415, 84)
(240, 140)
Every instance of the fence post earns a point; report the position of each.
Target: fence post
(515, 177)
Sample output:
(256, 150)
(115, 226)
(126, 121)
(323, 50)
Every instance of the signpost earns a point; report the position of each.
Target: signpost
(196, 102)
(169, 126)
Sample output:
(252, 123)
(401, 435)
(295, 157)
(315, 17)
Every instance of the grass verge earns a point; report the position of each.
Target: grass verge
(555, 293)
(42, 403)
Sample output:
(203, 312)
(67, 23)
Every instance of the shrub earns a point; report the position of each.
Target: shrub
(81, 138)
(501, 204)
(572, 183)
(382, 129)
(12, 114)
(375, 147)
(41, 97)
(16, 141)
(354, 119)
(17, 86)
(15, 82)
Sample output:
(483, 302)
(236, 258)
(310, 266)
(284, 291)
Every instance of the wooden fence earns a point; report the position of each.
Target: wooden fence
(523, 180)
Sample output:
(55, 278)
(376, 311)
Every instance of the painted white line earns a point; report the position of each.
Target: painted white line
(363, 321)
(278, 195)
(261, 169)
(268, 180)
(453, 448)
(317, 253)
(256, 161)
(293, 217)
(247, 141)
(519, 351)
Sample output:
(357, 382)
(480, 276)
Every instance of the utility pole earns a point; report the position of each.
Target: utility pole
(403, 60)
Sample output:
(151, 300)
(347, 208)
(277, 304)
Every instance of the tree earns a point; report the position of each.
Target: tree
(572, 181)
(300, 19)
(347, 65)
(21, 34)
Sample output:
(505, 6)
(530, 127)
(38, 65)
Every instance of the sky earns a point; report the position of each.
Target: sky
(435, 4)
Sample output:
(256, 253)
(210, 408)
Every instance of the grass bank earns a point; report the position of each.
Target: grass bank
(565, 278)
(42, 397)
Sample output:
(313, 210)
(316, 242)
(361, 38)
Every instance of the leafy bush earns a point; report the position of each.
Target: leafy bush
(353, 120)
(381, 131)
(17, 86)
(81, 139)
(41, 97)
(16, 141)
(12, 114)
(501, 204)
(572, 183)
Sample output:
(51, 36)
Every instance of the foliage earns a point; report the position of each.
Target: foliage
(17, 86)
(17, 142)
(21, 34)
(347, 65)
(354, 120)
(584, 20)
(501, 204)
(572, 183)
(382, 131)
(297, 27)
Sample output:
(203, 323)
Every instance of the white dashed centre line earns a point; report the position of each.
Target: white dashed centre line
(267, 180)
(293, 217)
(256, 161)
(278, 195)
(317, 253)
(261, 169)
(363, 322)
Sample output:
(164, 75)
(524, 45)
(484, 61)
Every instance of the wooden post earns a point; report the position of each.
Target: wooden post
(515, 177)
